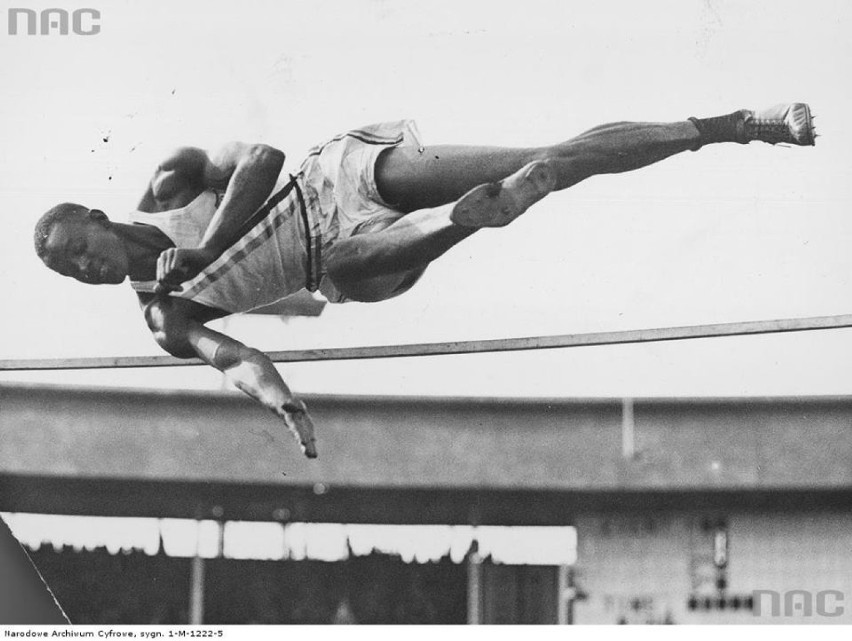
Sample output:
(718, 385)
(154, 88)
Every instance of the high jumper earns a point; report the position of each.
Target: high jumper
(227, 231)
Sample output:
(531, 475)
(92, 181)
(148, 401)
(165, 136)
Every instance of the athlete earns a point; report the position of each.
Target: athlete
(225, 232)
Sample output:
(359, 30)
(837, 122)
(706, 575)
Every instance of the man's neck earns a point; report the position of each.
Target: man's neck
(144, 245)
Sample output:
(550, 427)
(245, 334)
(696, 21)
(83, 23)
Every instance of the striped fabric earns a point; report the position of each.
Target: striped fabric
(259, 228)
(280, 249)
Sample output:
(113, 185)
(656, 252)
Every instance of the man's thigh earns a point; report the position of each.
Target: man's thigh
(377, 288)
(410, 178)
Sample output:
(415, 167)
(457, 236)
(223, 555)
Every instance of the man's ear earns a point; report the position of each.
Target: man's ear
(98, 216)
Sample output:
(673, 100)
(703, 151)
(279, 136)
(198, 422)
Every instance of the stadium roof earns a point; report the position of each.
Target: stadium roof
(386, 459)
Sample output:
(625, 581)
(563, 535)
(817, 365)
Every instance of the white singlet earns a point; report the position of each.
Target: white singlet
(282, 252)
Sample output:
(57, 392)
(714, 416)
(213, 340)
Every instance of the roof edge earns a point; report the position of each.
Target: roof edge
(84, 390)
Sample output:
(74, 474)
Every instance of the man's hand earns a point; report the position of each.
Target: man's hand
(295, 415)
(175, 266)
(248, 369)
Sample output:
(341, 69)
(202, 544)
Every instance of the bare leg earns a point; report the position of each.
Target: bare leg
(412, 179)
(490, 186)
(425, 181)
(415, 179)
(385, 258)
(359, 265)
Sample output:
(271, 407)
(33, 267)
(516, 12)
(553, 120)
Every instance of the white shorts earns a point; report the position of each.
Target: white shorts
(340, 185)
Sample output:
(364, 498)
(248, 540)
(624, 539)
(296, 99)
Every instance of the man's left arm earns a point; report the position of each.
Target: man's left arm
(249, 370)
(248, 173)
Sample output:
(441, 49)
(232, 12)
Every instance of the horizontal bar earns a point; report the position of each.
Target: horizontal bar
(461, 347)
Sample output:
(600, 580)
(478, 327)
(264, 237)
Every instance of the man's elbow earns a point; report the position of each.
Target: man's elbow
(170, 332)
(177, 346)
(230, 354)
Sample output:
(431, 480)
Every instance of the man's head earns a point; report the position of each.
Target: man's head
(79, 242)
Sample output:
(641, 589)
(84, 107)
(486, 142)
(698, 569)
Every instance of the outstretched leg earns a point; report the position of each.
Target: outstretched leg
(495, 185)
(413, 179)
(449, 191)
(388, 256)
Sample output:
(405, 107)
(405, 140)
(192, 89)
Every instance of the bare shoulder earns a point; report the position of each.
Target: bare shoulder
(187, 171)
(176, 180)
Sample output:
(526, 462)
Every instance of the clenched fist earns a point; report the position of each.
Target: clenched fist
(175, 266)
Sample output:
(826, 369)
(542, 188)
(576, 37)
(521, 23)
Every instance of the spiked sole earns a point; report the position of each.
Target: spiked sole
(498, 204)
(809, 127)
(790, 124)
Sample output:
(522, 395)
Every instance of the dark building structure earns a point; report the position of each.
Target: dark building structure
(687, 510)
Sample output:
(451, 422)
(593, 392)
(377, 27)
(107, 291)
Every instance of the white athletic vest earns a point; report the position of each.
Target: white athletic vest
(266, 264)
(335, 194)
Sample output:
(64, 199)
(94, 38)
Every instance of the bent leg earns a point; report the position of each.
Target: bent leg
(371, 265)
(386, 256)
(493, 188)
(384, 259)
(412, 179)
(425, 180)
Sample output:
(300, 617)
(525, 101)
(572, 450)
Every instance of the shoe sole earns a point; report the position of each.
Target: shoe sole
(498, 204)
(796, 134)
(809, 126)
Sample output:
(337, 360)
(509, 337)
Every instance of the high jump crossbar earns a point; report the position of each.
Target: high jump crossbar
(461, 347)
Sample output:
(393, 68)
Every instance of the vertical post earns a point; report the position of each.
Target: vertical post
(196, 583)
(562, 595)
(220, 549)
(474, 585)
(567, 595)
(196, 594)
(627, 429)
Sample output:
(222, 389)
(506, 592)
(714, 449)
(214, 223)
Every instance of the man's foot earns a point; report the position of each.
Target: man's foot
(790, 123)
(498, 204)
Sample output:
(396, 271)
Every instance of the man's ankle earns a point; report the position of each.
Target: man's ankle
(727, 128)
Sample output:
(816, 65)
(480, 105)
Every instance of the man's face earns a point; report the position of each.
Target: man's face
(87, 250)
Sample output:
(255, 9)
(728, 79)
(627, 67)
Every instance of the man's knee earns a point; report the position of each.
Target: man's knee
(169, 327)
(359, 255)
(377, 288)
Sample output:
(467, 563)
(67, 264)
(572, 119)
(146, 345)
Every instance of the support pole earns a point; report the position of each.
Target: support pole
(628, 446)
(196, 581)
(474, 585)
(567, 595)
(196, 591)
(562, 596)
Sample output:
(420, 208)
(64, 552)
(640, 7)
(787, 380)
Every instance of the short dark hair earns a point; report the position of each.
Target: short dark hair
(61, 213)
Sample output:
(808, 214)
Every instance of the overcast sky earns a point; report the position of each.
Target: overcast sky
(730, 233)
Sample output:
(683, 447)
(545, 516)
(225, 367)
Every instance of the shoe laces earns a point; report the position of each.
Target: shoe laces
(769, 130)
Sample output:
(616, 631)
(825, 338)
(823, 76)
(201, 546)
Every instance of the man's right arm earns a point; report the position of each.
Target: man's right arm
(246, 173)
(248, 369)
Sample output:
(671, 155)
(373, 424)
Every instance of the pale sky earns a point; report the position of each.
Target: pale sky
(727, 234)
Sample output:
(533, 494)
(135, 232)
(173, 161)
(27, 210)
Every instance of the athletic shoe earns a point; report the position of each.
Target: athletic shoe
(787, 123)
(498, 204)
